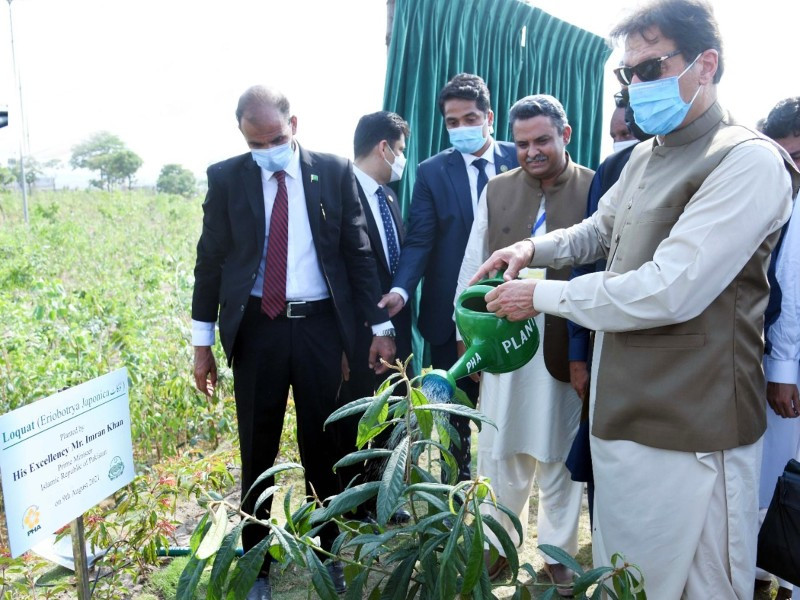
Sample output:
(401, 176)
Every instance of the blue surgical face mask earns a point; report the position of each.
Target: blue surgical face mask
(657, 105)
(468, 139)
(273, 159)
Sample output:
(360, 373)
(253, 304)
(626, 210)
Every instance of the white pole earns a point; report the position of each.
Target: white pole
(21, 120)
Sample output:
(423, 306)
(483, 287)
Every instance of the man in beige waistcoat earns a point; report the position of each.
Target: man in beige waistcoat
(535, 408)
(677, 384)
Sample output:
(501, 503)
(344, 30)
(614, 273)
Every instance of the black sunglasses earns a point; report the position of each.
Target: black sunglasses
(647, 70)
(620, 100)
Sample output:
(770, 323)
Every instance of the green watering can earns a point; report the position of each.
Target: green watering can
(494, 344)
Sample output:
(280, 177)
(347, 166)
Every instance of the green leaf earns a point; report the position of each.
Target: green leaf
(509, 549)
(375, 594)
(397, 585)
(561, 556)
(320, 577)
(199, 532)
(424, 418)
(213, 538)
(222, 563)
(589, 578)
(432, 544)
(391, 484)
(190, 577)
(445, 584)
(351, 408)
(443, 452)
(246, 571)
(362, 455)
(436, 503)
(287, 510)
(271, 472)
(512, 516)
(372, 419)
(475, 564)
(355, 588)
(413, 591)
(457, 409)
(346, 501)
(460, 396)
(267, 493)
(444, 432)
(549, 594)
(288, 543)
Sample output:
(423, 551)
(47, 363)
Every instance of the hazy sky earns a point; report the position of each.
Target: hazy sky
(164, 75)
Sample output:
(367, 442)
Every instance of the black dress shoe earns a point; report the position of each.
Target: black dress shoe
(261, 590)
(336, 571)
(400, 517)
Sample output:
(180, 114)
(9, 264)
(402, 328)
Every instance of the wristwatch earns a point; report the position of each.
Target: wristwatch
(385, 333)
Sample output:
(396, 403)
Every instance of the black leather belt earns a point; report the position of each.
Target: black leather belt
(300, 309)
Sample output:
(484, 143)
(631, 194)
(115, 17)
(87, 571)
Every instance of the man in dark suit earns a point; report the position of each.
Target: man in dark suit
(283, 257)
(445, 196)
(379, 145)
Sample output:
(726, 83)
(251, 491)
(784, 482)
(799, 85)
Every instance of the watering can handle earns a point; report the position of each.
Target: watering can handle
(493, 281)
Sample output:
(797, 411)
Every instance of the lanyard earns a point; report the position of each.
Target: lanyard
(538, 223)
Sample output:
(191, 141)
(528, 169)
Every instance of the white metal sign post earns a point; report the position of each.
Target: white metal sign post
(62, 455)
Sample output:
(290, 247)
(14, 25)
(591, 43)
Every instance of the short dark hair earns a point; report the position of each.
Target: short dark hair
(259, 95)
(374, 127)
(539, 105)
(783, 120)
(689, 23)
(466, 86)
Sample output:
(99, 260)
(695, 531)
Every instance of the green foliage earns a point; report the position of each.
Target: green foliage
(437, 555)
(106, 153)
(122, 166)
(174, 179)
(103, 282)
(96, 282)
(7, 176)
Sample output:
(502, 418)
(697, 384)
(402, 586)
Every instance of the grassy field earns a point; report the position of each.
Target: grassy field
(103, 280)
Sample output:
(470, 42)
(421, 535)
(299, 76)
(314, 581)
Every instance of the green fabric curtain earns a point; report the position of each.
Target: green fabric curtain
(432, 40)
(517, 49)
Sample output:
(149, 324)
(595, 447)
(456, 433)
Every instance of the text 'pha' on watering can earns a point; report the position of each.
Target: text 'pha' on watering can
(494, 344)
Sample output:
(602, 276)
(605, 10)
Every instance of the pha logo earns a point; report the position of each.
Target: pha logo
(30, 520)
(116, 468)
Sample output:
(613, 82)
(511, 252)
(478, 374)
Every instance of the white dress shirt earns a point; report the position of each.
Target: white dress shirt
(472, 171)
(304, 279)
(370, 187)
(782, 363)
(718, 232)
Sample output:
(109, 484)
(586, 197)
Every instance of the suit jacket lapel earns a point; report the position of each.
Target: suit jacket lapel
(313, 194)
(457, 171)
(503, 158)
(251, 177)
(372, 228)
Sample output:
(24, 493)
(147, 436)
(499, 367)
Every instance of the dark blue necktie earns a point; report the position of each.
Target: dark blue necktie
(480, 164)
(391, 239)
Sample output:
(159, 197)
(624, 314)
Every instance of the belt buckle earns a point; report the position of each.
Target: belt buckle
(289, 314)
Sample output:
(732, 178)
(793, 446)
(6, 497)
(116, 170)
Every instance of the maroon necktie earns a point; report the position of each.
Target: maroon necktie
(273, 295)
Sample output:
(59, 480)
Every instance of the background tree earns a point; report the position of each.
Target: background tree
(106, 153)
(122, 165)
(175, 179)
(7, 176)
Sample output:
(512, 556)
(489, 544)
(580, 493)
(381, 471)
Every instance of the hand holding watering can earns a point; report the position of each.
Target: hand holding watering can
(513, 299)
(493, 344)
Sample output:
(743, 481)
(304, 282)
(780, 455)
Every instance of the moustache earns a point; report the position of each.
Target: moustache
(537, 158)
